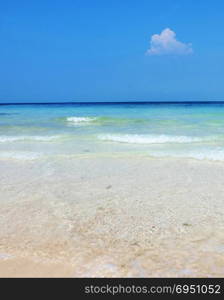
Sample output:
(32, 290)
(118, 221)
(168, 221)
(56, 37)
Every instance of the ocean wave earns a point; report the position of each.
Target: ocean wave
(102, 120)
(215, 155)
(20, 155)
(6, 139)
(80, 120)
(149, 139)
(206, 154)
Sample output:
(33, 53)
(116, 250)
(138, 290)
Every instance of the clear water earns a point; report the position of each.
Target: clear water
(32, 131)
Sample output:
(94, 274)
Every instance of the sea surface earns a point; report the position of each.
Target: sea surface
(183, 129)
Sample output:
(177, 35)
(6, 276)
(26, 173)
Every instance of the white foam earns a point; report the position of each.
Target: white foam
(215, 155)
(206, 154)
(80, 120)
(6, 139)
(20, 155)
(148, 139)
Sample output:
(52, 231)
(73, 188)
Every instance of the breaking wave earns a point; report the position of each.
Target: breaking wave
(80, 120)
(149, 139)
(6, 139)
(20, 155)
(205, 154)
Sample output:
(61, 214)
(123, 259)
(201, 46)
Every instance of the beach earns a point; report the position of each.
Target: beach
(112, 190)
(111, 216)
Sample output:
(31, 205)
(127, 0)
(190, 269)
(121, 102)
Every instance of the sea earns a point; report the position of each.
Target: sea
(154, 129)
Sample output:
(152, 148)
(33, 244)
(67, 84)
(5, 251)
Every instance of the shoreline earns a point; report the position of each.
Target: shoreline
(108, 217)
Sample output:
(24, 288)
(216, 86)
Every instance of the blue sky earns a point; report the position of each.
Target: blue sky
(98, 50)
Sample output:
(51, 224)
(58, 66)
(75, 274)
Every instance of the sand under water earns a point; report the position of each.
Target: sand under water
(105, 216)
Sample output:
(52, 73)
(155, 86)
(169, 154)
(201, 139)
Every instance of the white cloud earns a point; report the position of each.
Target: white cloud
(166, 43)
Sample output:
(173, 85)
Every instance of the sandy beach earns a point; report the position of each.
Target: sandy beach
(101, 216)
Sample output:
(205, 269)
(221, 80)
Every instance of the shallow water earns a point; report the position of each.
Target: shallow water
(193, 130)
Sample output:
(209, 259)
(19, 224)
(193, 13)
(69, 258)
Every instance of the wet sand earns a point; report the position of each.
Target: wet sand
(91, 216)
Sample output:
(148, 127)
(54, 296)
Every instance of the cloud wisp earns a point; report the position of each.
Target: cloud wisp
(166, 43)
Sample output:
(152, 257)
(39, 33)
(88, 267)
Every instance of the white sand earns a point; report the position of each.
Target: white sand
(101, 216)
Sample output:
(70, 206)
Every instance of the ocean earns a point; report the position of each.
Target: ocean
(155, 129)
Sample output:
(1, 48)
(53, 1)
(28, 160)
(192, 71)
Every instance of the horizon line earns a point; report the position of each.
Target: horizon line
(115, 102)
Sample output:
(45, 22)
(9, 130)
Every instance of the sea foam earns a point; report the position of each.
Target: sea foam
(80, 120)
(20, 155)
(199, 154)
(6, 139)
(148, 139)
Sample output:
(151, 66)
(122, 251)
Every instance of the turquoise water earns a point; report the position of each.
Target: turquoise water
(155, 129)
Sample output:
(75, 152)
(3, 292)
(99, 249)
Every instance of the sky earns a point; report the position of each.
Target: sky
(120, 50)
